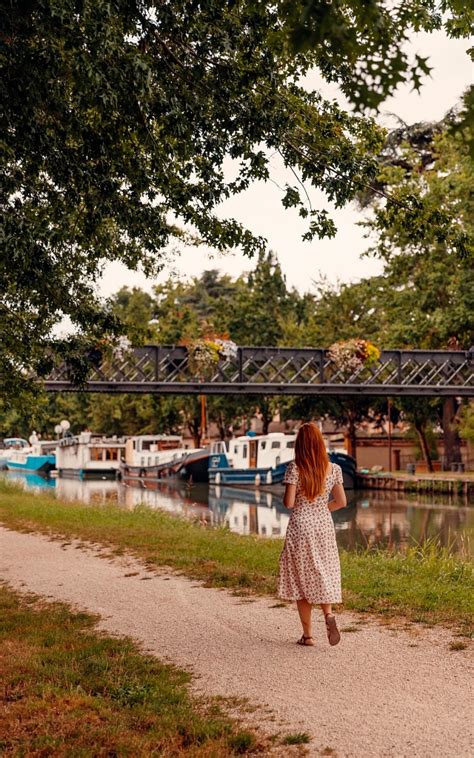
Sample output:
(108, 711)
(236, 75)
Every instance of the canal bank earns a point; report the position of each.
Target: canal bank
(461, 484)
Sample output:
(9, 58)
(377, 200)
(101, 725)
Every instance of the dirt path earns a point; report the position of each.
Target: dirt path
(381, 692)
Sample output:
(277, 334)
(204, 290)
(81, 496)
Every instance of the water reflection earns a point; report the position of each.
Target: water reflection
(372, 518)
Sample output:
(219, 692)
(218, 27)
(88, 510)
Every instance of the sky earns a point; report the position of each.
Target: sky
(260, 209)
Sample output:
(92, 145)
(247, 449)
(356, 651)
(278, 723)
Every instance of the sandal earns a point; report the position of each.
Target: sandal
(302, 641)
(331, 629)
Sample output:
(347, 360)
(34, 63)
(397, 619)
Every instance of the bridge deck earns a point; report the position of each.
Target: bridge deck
(279, 371)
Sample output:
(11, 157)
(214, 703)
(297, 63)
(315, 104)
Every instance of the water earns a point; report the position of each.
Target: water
(373, 518)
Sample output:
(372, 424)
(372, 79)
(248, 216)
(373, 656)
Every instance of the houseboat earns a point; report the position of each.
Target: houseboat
(262, 460)
(149, 458)
(251, 460)
(7, 445)
(37, 458)
(194, 467)
(87, 457)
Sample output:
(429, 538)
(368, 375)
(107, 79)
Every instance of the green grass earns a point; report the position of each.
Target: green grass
(69, 691)
(299, 738)
(426, 584)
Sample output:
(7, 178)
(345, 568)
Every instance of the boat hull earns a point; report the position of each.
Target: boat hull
(130, 474)
(39, 464)
(221, 473)
(81, 473)
(195, 468)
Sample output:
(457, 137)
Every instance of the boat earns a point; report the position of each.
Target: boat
(89, 457)
(8, 444)
(149, 458)
(37, 458)
(261, 461)
(194, 466)
(251, 460)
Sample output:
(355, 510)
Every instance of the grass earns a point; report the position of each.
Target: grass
(457, 645)
(426, 584)
(69, 691)
(299, 738)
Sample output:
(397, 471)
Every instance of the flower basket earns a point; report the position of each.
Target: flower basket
(349, 356)
(204, 355)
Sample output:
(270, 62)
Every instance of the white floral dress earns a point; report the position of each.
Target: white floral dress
(309, 562)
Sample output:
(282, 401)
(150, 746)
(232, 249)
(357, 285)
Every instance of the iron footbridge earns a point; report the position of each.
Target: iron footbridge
(162, 369)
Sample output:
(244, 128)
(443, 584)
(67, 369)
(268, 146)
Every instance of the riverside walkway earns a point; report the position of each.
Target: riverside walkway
(389, 690)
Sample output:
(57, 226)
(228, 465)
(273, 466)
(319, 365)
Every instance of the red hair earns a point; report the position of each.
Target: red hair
(312, 460)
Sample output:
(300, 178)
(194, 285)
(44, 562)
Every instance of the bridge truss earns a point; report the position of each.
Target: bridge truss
(278, 371)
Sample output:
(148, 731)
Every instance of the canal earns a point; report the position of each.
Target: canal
(384, 519)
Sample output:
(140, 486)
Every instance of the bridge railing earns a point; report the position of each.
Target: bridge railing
(278, 370)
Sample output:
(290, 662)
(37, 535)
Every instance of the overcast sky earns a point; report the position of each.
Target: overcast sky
(260, 208)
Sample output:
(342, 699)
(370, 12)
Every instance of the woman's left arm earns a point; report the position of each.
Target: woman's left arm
(338, 498)
(290, 496)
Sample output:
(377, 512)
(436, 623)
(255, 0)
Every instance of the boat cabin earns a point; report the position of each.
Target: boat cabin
(249, 451)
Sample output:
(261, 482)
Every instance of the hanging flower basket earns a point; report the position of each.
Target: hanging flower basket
(351, 355)
(204, 355)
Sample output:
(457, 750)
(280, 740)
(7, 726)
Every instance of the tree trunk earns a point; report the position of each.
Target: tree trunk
(265, 423)
(222, 427)
(425, 450)
(351, 438)
(195, 431)
(452, 442)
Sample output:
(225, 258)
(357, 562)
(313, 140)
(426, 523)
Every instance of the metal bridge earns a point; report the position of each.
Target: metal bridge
(277, 371)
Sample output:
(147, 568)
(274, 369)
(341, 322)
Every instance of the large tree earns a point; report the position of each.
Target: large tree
(117, 119)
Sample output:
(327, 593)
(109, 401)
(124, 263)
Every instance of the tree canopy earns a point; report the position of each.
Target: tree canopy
(125, 126)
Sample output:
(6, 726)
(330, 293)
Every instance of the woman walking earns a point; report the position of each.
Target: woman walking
(310, 571)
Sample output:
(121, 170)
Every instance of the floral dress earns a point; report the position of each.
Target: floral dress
(309, 562)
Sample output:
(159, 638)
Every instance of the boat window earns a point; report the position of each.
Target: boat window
(244, 451)
(291, 443)
(95, 454)
(263, 444)
(142, 461)
(245, 520)
(275, 444)
(236, 449)
(111, 454)
(264, 530)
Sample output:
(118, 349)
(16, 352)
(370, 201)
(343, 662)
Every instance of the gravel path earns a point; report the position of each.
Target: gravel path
(381, 692)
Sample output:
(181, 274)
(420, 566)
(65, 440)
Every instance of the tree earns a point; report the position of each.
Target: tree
(135, 309)
(117, 119)
(431, 284)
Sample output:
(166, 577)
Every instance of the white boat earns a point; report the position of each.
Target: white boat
(89, 457)
(262, 460)
(251, 460)
(152, 457)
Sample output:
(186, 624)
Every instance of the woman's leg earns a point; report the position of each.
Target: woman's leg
(326, 608)
(304, 609)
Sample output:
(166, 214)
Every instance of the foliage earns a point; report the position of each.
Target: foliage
(118, 118)
(362, 44)
(117, 121)
(432, 287)
(466, 430)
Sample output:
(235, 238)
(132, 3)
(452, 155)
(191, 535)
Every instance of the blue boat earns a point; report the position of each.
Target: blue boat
(38, 458)
(261, 461)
